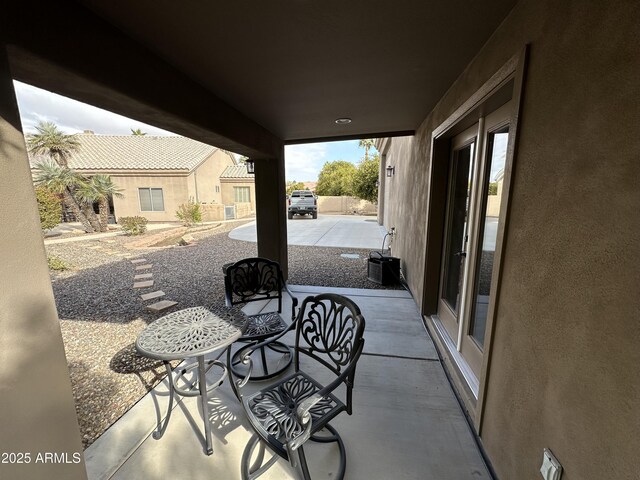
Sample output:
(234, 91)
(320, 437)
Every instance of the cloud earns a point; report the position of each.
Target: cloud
(71, 116)
(303, 162)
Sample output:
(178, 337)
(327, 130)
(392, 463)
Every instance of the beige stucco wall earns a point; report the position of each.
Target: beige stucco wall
(345, 205)
(212, 212)
(202, 182)
(565, 365)
(37, 412)
(174, 190)
(228, 197)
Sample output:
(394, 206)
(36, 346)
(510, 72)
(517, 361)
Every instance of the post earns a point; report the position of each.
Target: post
(271, 210)
(37, 411)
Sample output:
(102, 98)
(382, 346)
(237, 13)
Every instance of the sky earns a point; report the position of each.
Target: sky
(302, 162)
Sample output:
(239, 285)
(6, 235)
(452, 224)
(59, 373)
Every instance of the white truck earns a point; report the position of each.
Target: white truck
(302, 202)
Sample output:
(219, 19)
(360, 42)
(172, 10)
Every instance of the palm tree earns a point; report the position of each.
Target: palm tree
(137, 132)
(100, 188)
(51, 141)
(366, 143)
(64, 181)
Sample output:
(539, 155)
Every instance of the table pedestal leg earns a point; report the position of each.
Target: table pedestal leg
(202, 384)
(163, 426)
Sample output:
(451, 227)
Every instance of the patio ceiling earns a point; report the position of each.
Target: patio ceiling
(246, 75)
(295, 66)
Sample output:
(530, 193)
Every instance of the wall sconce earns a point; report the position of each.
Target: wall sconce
(251, 167)
(391, 171)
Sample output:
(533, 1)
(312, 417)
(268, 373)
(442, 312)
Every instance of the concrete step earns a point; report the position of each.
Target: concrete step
(139, 260)
(145, 284)
(161, 306)
(152, 295)
(143, 276)
(144, 267)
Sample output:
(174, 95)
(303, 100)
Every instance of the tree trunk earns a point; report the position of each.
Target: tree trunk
(71, 202)
(103, 204)
(87, 208)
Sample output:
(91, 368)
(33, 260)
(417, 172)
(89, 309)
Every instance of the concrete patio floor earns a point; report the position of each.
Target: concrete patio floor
(406, 422)
(347, 231)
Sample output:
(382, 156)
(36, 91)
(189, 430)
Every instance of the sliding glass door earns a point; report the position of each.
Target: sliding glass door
(474, 201)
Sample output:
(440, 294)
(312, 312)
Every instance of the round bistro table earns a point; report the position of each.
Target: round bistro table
(192, 332)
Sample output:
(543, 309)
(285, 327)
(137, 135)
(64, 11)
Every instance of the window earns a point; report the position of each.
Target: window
(151, 199)
(241, 195)
(217, 188)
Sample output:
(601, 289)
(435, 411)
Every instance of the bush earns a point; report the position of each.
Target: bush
(189, 213)
(493, 188)
(133, 225)
(57, 264)
(49, 208)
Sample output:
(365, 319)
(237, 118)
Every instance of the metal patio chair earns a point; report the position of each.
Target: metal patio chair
(257, 279)
(292, 410)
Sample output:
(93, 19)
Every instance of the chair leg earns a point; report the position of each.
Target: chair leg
(335, 437)
(265, 369)
(251, 471)
(300, 464)
(278, 347)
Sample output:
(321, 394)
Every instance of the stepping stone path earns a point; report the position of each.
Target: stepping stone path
(152, 295)
(161, 305)
(144, 281)
(145, 284)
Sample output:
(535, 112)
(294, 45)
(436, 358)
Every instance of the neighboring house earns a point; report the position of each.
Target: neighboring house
(238, 187)
(156, 174)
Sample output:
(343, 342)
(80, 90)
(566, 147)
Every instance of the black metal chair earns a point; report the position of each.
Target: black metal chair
(256, 279)
(291, 411)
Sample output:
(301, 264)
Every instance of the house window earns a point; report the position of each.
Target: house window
(241, 195)
(217, 188)
(151, 199)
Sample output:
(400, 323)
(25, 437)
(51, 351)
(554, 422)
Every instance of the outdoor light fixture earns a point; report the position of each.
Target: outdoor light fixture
(343, 121)
(391, 171)
(251, 167)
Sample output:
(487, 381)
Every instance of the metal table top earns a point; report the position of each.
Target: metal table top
(190, 333)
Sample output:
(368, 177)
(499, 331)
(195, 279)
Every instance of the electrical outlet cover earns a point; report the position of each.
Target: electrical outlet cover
(551, 468)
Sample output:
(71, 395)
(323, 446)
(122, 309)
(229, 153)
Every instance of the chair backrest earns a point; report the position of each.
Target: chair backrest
(330, 330)
(253, 279)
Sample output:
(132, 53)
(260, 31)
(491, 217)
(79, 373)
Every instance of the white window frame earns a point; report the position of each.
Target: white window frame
(150, 198)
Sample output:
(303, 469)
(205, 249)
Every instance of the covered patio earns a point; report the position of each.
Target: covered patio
(406, 423)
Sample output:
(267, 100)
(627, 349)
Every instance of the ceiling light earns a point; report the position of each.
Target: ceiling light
(343, 121)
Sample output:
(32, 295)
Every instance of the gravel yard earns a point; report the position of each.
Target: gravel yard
(101, 314)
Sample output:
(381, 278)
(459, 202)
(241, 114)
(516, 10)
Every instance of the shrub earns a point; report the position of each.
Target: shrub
(189, 213)
(133, 225)
(49, 208)
(57, 264)
(493, 188)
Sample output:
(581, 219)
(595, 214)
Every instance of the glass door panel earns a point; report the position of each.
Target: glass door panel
(458, 222)
(454, 252)
(488, 224)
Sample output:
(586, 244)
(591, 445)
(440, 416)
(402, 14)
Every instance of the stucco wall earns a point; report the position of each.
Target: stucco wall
(203, 180)
(565, 365)
(212, 212)
(174, 189)
(228, 197)
(346, 205)
(37, 411)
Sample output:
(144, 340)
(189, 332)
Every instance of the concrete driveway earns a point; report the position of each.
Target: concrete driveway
(348, 231)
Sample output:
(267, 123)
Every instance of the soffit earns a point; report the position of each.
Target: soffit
(294, 66)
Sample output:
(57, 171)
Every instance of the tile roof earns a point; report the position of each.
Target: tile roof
(137, 152)
(236, 171)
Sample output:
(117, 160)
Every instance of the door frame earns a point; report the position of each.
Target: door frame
(507, 83)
